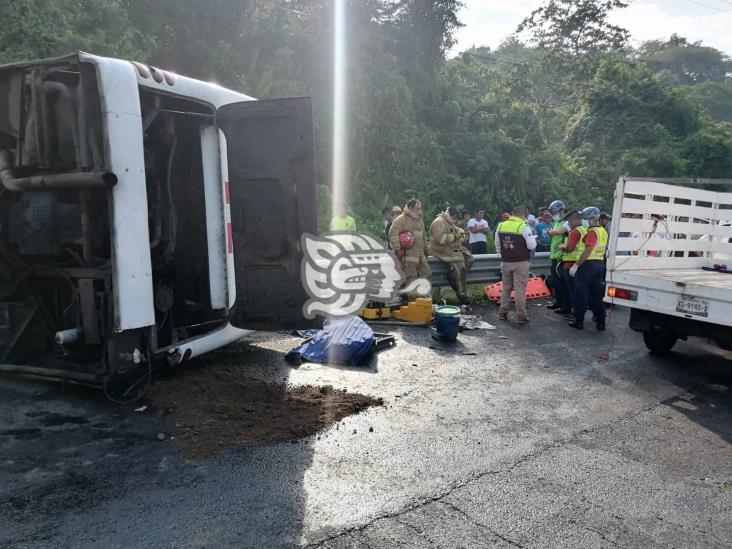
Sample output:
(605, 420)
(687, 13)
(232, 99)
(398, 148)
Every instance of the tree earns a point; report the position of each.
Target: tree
(684, 62)
(49, 28)
(417, 34)
(576, 27)
(714, 97)
(708, 152)
(560, 117)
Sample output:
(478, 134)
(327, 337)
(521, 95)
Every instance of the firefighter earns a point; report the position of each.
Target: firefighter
(407, 239)
(446, 241)
(589, 286)
(514, 243)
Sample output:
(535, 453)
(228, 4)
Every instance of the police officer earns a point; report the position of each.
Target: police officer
(589, 286)
(558, 233)
(571, 251)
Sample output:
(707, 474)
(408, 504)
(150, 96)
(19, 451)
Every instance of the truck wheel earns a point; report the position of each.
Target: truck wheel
(724, 344)
(659, 342)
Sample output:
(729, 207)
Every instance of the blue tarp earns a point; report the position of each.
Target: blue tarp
(341, 341)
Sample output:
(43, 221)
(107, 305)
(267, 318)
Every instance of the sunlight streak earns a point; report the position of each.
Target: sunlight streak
(340, 149)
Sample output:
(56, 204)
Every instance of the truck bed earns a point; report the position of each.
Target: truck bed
(689, 277)
(673, 291)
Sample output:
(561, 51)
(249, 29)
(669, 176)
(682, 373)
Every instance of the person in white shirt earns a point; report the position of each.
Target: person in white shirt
(479, 229)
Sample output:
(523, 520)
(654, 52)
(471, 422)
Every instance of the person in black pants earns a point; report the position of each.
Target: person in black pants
(478, 229)
(562, 303)
(589, 287)
(571, 251)
(558, 233)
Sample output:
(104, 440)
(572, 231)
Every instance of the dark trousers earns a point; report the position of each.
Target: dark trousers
(569, 283)
(557, 285)
(589, 288)
(478, 248)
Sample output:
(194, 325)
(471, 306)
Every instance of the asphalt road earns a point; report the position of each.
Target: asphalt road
(532, 441)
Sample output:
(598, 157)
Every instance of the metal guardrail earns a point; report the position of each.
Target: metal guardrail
(486, 268)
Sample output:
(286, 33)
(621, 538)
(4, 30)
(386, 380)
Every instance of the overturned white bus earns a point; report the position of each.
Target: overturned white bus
(144, 216)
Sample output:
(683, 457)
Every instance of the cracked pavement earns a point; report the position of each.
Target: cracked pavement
(534, 441)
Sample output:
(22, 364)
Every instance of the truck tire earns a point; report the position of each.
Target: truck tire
(725, 344)
(659, 343)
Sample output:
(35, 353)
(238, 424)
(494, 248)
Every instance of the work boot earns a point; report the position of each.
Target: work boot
(522, 319)
(553, 306)
(502, 315)
(575, 324)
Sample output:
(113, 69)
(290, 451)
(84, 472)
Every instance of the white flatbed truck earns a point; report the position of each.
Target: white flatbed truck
(666, 239)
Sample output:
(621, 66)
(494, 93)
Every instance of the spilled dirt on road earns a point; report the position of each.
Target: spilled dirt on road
(219, 406)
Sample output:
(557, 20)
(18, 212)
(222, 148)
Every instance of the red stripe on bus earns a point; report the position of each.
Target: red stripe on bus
(227, 196)
(229, 239)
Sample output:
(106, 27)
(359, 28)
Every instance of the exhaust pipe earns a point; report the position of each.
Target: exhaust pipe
(65, 337)
(52, 181)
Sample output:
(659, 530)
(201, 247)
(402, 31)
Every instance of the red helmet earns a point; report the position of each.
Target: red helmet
(406, 240)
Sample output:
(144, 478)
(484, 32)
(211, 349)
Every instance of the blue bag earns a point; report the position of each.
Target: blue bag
(344, 341)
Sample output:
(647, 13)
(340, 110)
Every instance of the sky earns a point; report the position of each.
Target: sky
(489, 22)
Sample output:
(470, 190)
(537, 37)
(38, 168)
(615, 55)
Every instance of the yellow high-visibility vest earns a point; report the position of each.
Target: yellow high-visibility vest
(598, 252)
(513, 225)
(575, 254)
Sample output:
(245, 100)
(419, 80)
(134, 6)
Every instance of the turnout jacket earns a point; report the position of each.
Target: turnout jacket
(445, 239)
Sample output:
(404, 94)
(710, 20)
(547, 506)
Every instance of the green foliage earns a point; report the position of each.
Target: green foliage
(686, 63)
(708, 152)
(714, 97)
(48, 28)
(576, 27)
(560, 116)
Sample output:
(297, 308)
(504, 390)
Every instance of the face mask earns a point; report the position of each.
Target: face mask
(556, 217)
(585, 224)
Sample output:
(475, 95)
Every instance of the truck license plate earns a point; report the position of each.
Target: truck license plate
(691, 305)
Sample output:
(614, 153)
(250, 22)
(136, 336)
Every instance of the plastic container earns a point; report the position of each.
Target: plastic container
(447, 322)
(418, 311)
(535, 288)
